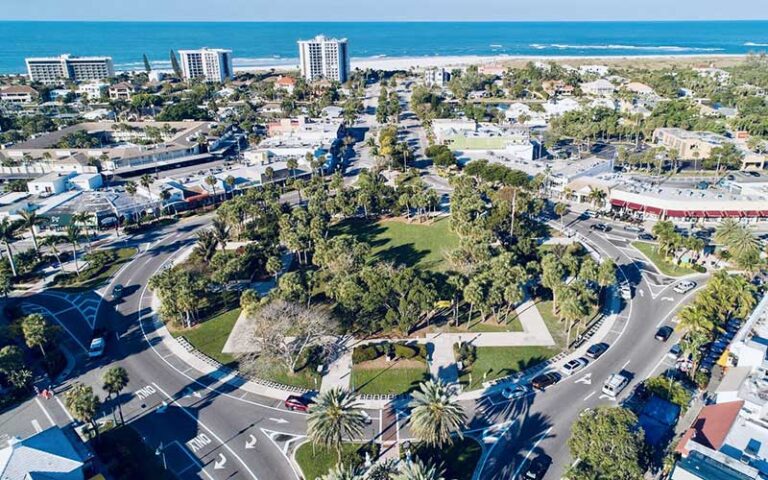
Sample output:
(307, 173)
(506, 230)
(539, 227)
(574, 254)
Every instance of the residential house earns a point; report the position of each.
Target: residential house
(19, 94)
(121, 91)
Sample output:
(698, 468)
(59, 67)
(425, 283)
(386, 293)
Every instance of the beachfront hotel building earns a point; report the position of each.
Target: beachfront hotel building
(210, 64)
(53, 70)
(324, 58)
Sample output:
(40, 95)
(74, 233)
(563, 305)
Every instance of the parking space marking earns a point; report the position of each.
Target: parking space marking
(47, 415)
(69, 415)
(36, 426)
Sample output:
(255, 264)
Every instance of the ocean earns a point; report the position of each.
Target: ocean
(274, 43)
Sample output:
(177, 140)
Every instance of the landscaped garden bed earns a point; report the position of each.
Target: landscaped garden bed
(388, 368)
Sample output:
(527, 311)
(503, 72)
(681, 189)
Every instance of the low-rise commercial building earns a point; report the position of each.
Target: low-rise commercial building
(50, 454)
(692, 145)
(53, 70)
(468, 135)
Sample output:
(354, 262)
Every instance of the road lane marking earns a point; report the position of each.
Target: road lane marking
(589, 396)
(527, 455)
(47, 415)
(625, 364)
(218, 439)
(71, 418)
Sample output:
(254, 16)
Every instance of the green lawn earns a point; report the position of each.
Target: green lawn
(210, 336)
(502, 361)
(378, 381)
(555, 326)
(665, 266)
(127, 457)
(91, 278)
(459, 459)
(316, 462)
(412, 244)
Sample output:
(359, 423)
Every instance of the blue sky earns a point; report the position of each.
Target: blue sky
(352, 10)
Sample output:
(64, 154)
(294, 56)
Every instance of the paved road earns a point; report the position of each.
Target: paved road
(540, 423)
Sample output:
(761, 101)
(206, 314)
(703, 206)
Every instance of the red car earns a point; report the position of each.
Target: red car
(298, 403)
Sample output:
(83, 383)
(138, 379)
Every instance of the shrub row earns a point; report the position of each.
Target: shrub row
(405, 350)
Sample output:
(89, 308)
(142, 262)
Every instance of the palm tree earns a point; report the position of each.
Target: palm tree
(115, 380)
(597, 197)
(8, 232)
(206, 244)
(743, 243)
(73, 236)
(146, 181)
(30, 220)
(82, 218)
(561, 210)
(335, 416)
(165, 195)
(230, 181)
(130, 188)
(340, 472)
(726, 230)
(416, 470)
(436, 414)
(220, 232)
(694, 319)
(211, 181)
(52, 242)
(292, 165)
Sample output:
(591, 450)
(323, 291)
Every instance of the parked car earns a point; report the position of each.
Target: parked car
(685, 286)
(97, 347)
(366, 418)
(538, 467)
(647, 237)
(601, 227)
(597, 349)
(615, 384)
(574, 365)
(663, 333)
(515, 391)
(542, 382)
(633, 228)
(675, 351)
(298, 403)
(117, 292)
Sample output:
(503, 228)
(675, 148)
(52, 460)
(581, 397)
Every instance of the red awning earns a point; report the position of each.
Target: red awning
(196, 198)
(618, 203)
(653, 210)
(764, 213)
(732, 213)
(714, 214)
(697, 214)
(751, 213)
(634, 206)
(676, 213)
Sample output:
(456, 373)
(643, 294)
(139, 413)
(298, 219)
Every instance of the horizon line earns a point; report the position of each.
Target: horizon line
(663, 20)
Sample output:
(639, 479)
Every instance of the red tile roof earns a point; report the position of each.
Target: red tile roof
(286, 81)
(711, 426)
(19, 89)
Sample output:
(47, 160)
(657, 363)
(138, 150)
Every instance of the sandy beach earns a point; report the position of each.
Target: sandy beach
(636, 61)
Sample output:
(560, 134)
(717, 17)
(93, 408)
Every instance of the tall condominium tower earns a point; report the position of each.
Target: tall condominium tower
(50, 70)
(211, 64)
(323, 57)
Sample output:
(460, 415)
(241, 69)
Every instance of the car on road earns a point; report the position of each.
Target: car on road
(515, 391)
(117, 292)
(597, 349)
(647, 237)
(675, 351)
(97, 347)
(589, 214)
(542, 382)
(626, 291)
(601, 227)
(574, 366)
(366, 418)
(298, 403)
(663, 333)
(615, 384)
(685, 286)
(537, 468)
(633, 229)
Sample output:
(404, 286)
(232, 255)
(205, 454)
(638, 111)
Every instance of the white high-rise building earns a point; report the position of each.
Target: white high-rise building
(211, 64)
(50, 70)
(323, 57)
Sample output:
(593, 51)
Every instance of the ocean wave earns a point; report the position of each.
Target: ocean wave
(755, 44)
(660, 48)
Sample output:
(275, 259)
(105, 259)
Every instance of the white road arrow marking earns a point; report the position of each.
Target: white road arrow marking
(278, 420)
(641, 292)
(606, 397)
(251, 443)
(667, 299)
(219, 464)
(586, 379)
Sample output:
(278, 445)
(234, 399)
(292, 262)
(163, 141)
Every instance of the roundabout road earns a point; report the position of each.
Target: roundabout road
(206, 427)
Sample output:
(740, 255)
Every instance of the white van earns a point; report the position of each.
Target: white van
(615, 384)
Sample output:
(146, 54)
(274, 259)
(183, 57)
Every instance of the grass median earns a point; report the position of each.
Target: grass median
(661, 263)
(497, 362)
